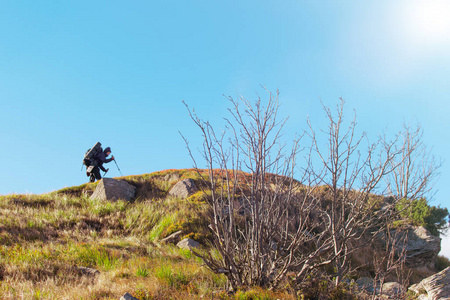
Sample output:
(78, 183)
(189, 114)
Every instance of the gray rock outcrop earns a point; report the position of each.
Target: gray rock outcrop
(422, 248)
(183, 188)
(436, 287)
(112, 190)
(188, 244)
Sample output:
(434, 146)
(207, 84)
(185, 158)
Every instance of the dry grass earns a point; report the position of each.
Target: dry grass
(44, 239)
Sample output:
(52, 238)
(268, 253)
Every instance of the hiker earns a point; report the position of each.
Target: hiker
(100, 159)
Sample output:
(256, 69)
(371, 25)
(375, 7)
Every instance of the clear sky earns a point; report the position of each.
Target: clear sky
(76, 72)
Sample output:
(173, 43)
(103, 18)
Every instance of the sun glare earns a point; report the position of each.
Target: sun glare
(427, 22)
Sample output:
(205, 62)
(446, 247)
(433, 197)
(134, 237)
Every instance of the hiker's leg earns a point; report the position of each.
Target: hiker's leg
(96, 172)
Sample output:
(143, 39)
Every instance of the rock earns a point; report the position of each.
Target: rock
(188, 244)
(111, 189)
(393, 289)
(173, 238)
(88, 271)
(422, 248)
(436, 287)
(183, 188)
(390, 289)
(365, 283)
(128, 296)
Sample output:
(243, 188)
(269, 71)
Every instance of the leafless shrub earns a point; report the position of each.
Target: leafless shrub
(415, 170)
(260, 221)
(352, 172)
(266, 224)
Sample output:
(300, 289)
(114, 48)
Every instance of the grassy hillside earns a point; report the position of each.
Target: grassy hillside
(45, 239)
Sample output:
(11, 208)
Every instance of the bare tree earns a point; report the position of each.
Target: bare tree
(415, 169)
(261, 216)
(265, 223)
(351, 173)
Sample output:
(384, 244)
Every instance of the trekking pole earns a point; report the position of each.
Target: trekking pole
(118, 167)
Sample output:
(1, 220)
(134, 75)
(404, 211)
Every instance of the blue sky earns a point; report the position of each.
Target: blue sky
(74, 73)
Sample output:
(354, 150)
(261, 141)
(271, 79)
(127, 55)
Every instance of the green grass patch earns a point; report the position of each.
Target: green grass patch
(94, 256)
(142, 271)
(173, 277)
(164, 223)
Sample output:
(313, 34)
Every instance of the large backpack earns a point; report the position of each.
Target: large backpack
(89, 157)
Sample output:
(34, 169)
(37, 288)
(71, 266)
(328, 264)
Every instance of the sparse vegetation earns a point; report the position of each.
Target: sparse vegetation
(265, 234)
(44, 239)
(266, 225)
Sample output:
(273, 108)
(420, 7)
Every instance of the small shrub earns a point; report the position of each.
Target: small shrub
(419, 213)
(442, 263)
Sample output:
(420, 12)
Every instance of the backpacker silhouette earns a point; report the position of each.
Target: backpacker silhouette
(88, 159)
(94, 159)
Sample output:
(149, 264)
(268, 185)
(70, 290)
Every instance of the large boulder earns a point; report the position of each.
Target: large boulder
(420, 245)
(183, 188)
(435, 287)
(112, 189)
(422, 248)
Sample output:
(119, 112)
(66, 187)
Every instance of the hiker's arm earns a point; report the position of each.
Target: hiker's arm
(101, 168)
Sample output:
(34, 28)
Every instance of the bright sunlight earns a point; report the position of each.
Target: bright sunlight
(426, 22)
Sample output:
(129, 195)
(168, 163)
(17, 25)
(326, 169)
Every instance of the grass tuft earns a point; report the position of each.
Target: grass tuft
(47, 241)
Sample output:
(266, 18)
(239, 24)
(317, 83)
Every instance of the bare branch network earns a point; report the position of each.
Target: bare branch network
(267, 225)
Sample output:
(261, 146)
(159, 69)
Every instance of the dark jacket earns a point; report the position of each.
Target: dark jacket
(101, 159)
